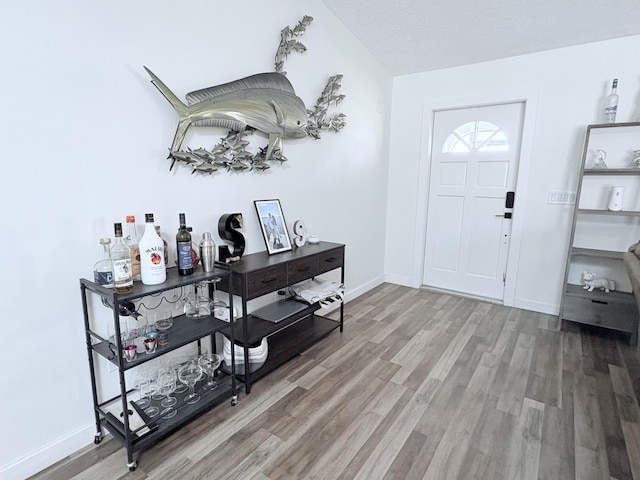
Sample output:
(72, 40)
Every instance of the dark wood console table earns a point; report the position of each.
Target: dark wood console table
(258, 274)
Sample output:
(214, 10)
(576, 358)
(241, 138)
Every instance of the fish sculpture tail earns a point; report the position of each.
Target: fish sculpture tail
(181, 108)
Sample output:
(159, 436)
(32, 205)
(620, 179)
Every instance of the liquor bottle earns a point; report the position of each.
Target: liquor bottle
(611, 104)
(152, 269)
(133, 240)
(103, 269)
(166, 248)
(125, 309)
(183, 244)
(121, 258)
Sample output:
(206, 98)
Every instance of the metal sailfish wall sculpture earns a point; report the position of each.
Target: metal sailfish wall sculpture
(265, 102)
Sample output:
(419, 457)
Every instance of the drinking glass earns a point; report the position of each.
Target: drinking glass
(177, 363)
(189, 374)
(196, 304)
(167, 385)
(209, 363)
(218, 306)
(147, 386)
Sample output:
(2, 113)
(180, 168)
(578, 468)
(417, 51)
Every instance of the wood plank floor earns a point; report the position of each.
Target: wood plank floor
(420, 385)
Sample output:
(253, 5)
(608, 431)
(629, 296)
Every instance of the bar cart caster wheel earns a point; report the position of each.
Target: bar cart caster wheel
(234, 400)
(97, 439)
(132, 466)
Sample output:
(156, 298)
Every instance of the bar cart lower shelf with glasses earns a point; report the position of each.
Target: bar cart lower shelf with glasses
(134, 418)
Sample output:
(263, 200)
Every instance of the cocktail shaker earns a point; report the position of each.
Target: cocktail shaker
(207, 252)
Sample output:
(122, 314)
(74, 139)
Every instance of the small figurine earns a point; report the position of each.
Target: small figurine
(599, 161)
(635, 161)
(591, 282)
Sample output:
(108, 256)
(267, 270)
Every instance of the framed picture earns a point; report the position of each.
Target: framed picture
(274, 228)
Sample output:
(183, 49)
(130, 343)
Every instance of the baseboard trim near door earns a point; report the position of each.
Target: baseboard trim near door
(462, 294)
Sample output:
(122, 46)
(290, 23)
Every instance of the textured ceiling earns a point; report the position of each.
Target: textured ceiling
(410, 36)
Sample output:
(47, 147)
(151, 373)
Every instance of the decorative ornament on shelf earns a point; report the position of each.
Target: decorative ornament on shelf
(635, 161)
(265, 102)
(300, 231)
(599, 161)
(226, 229)
(591, 282)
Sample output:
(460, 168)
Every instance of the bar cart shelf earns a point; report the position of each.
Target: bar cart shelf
(134, 429)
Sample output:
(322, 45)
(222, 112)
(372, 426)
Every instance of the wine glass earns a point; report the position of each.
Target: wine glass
(189, 374)
(209, 363)
(218, 306)
(147, 386)
(177, 363)
(167, 385)
(197, 305)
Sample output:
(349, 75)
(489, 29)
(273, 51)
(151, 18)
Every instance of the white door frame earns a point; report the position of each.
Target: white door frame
(530, 99)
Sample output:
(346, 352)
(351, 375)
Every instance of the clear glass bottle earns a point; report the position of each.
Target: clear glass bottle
(133, 240)
(166, 248)
(184, 246)
(611, 104)
(103, 269)
(152, 254)
(121, 258)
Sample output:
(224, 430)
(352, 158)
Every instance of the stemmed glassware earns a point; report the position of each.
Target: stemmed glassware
(189, 374)
(218, 306)
(147, 386)
(196, 304)
(209, 363)
(167, 385)
(176, 363)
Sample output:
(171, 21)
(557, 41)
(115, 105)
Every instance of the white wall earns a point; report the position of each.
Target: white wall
(566, 87)
(85, 139)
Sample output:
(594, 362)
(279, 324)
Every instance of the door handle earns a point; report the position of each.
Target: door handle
(505, 214)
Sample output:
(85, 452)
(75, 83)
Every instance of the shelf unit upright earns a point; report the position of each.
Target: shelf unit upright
(600, 236)
(134, 429)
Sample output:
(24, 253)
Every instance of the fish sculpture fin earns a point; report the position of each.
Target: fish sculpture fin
(275, 141)
(180, 107)
(272, 80)
(279, 114)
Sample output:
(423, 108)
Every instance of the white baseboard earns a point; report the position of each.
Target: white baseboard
(534, 306)
(49, 454)
(400, 280)
(362, 289)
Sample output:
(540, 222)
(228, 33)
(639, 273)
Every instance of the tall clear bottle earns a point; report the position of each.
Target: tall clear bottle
(611, 104)
(121, 258)
(152, 267)
(133, 241)
(184, 246)
(103, 269)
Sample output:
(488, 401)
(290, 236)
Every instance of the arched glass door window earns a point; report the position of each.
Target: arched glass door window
(478, 135)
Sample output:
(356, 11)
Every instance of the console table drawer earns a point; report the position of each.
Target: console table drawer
(267, 280)
(301, 269)
(329, 260)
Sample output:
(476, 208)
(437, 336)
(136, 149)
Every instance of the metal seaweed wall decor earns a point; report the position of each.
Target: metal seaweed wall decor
(265, 102)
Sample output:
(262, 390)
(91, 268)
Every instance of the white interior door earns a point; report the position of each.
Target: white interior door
(474, 161)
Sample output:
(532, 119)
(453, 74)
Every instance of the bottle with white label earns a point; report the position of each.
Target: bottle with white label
(152, 253)
(133, 240)
(103, 269)
(121, 258)
(611, 104)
